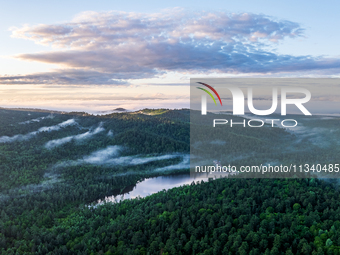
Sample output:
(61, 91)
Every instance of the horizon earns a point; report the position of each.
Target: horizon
(246, 116)
(99, 56)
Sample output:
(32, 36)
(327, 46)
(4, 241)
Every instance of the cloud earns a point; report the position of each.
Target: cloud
(101, 156)
(110, 47)
(110, 157)
(57, 142)
(135, 160)
(36, 120)
(182, 165)
(8, 139)
(90, 30)
(218, 142)
(67, 77)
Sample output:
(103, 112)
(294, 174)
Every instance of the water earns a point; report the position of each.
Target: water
(150, 186)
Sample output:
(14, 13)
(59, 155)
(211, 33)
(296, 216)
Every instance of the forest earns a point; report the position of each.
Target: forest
(53, 165)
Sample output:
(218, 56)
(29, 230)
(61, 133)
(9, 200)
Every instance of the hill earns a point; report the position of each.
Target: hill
(53, 166)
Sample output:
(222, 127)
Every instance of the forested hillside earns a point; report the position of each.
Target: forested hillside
(53, 166)
(26, 156)
(225, 216)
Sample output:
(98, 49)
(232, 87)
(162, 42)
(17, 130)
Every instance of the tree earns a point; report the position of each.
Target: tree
(329, 242)
(243, 250)
(296, 207)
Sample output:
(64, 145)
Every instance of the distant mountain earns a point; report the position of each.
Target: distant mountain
(120, 110)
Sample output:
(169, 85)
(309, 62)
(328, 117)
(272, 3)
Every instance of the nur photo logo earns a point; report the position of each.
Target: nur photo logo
(239, 100)
(295, 96)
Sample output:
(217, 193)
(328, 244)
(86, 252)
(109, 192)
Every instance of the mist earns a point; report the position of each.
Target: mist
(184, 164)
(57, 142)
(110, 157)
(133, 160)
(36, 120)
(95, 158)
(100, 157)
(10, 139)
(315, 135)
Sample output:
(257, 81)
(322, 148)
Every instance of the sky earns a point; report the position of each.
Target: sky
(96, 56)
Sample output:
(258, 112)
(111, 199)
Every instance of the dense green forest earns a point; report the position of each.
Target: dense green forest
(225, 216)
(26, 161)
(53, 166)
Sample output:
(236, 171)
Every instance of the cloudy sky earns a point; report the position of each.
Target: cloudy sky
(83, 55)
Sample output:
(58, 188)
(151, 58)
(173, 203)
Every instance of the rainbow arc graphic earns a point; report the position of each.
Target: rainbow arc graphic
(209, 93)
